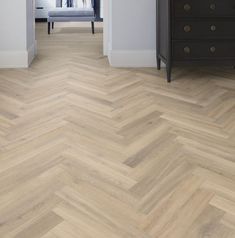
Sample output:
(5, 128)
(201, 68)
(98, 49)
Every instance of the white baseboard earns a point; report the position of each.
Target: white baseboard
(18, 59)
(32, 51)
(132, 58)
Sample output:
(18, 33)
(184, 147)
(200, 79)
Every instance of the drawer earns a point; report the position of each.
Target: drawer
(43, 6)
(41, 13)
(45, 3)
(204, 8)
(196, 50)
(215, 29)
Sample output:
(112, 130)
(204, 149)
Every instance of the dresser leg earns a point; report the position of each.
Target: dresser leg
(93, 27)
(49, 28)
(158, 63)
(168, 71)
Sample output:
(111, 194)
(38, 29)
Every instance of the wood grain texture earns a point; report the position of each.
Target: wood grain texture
(91, 151)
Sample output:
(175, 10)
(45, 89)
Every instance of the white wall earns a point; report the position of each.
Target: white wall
(101, 8)
(106, 25)
(132, 40)
(17, 34)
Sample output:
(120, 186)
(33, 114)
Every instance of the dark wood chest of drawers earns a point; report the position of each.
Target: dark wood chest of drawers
(195, 32)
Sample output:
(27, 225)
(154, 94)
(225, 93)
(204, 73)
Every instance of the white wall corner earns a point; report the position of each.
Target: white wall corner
(18, 59)
(132, 58)
(32, 52)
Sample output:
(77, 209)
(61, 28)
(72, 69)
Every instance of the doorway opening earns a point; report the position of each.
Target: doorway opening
(68, 37)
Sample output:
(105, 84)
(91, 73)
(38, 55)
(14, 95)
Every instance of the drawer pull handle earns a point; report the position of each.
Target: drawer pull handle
(187, 7)
(212, 49)
(187, 28)
(213, 6)
(213, 28)
(187, 50)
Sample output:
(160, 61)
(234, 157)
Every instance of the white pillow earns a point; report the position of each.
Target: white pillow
(80, 4)
(64, 3)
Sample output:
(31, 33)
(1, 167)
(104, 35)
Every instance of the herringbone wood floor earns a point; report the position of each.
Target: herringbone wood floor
(90, 151)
